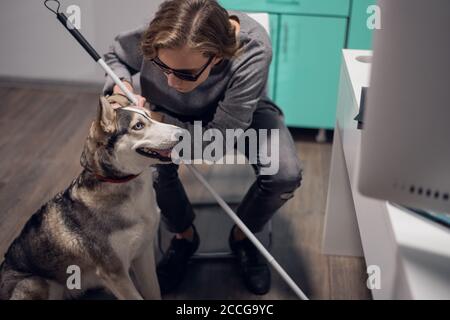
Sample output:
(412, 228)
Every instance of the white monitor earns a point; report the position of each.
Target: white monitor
(405, 146)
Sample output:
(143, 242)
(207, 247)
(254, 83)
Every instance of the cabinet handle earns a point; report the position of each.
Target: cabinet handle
(297, 2)
(286, 38)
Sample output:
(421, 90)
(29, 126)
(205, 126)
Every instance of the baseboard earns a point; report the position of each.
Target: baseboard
(65, 85)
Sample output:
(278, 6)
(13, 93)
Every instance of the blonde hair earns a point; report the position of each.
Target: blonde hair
(200, 24)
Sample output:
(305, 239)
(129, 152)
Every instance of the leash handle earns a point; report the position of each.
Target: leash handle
(71, 28)
(89, 49)
(77, 35)
(94, 54)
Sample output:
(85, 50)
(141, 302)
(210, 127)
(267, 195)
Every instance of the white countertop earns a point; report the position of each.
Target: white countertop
(358, 68)
(424, 248)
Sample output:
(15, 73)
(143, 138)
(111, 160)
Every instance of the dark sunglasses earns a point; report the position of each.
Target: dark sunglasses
(181, 74)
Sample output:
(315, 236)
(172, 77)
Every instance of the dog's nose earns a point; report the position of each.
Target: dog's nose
(181, 133)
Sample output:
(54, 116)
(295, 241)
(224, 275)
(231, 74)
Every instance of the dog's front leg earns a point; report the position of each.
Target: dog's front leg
(144, 270)
(120, 285)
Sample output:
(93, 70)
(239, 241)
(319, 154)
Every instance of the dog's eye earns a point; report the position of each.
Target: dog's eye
(138, 126)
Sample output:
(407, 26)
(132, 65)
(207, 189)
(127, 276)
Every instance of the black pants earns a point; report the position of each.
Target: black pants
(267, 194)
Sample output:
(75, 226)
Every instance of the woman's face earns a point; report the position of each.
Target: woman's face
(185, 59)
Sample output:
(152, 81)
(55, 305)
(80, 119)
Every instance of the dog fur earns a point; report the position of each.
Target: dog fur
(106, 229)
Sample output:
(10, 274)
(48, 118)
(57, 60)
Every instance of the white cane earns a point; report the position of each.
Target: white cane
(91, 51)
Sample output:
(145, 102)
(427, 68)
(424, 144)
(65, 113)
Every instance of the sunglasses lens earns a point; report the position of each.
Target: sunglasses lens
(183, 76)
(180, 75)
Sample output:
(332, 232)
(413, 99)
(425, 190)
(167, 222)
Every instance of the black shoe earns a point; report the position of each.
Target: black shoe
(172, 267)
(253, 266)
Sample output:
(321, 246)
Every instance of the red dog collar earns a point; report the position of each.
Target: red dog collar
(118, 180)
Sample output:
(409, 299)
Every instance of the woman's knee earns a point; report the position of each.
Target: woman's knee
(286, 180)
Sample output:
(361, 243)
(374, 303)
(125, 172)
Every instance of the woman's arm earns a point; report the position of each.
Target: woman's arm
(124, 57)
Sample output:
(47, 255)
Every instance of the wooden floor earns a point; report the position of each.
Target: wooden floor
(42, 131)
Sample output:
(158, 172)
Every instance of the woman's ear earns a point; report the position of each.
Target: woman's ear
(106, 115)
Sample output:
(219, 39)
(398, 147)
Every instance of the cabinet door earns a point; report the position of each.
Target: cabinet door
(274, 23)
(307, 7)
(309, 57)
(359, 35)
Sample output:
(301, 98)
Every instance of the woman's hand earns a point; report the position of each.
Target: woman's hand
(141, 100)
(157, 116)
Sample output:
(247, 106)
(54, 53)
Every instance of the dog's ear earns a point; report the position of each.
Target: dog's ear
(106, 116)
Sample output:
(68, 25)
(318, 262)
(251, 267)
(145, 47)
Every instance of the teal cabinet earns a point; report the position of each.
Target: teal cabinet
(274, 23)
(307, 40)
(359, 35)
(308, 69)
(307, 7)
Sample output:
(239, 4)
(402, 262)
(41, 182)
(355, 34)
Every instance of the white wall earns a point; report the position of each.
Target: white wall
(35, 46)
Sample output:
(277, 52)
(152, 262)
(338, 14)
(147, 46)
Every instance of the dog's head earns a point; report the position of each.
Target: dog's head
(126, 141)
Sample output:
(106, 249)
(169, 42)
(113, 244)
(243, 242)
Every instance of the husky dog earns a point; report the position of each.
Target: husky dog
(104, 223)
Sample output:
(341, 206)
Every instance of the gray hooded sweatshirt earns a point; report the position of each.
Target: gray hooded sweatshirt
(228, 97)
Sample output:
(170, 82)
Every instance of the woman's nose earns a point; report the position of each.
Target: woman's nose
(173, 81)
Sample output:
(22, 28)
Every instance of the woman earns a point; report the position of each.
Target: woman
(199, 62)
